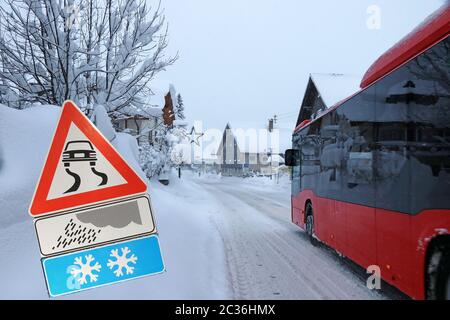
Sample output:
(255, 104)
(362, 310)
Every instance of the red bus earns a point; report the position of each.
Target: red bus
(371, 175)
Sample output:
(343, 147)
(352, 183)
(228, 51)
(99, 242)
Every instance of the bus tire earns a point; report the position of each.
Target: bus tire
(310, 224)
(439, 274)
(443, 277)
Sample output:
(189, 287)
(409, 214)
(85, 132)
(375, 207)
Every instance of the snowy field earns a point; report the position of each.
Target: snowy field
(221, 238)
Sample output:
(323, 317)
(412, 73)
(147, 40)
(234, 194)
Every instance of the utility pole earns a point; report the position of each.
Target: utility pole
(272, 122)
(270, 125)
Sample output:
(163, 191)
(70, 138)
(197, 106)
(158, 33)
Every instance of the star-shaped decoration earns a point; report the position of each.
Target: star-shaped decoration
(195, 136)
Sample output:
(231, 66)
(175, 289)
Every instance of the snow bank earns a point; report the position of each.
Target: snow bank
(128, 147)
(25, 137)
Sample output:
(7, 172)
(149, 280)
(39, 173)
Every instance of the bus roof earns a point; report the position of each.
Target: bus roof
(435, 28)
(432, 30)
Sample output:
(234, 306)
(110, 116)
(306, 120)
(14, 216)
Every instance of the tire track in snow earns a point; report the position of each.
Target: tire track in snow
(292, 251)
(354, 271)
(256, 264)
(266, 257)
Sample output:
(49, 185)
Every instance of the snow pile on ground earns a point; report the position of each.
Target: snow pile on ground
(192, 250)
(24, 141)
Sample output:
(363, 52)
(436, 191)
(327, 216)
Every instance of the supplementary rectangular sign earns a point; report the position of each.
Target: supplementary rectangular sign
(92, 227)
(101, 266)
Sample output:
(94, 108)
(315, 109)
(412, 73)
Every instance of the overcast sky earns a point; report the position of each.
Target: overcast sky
(246, 60)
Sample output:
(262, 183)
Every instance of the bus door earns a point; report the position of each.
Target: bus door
(333, 226)
(316, 175)
(355, 205)
(357, 210)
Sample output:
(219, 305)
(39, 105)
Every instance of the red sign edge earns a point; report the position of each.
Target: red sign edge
(40, 206)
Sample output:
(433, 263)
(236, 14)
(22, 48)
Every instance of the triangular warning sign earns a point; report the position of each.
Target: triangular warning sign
(82, 168)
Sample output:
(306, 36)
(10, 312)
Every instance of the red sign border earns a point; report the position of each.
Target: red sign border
(71, 114)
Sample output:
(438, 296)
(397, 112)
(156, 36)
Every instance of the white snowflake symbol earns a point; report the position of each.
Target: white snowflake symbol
(122, 261)
(85, 269)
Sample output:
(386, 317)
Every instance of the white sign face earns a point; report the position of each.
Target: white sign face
(82, 168)
(91, 227)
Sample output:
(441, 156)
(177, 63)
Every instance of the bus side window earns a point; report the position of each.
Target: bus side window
(310, 147)
(356, 136)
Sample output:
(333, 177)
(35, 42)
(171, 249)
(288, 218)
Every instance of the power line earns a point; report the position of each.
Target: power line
(287, 117)
(287, 113)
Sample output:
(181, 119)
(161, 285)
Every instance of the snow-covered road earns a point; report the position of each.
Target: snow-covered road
(270, 258)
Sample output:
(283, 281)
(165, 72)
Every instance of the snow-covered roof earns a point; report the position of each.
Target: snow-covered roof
(335, 87)
(251, 137)
(160, 88)
(156, 102)
(143, 111)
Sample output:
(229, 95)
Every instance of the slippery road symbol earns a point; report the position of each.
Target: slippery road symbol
(81, 150)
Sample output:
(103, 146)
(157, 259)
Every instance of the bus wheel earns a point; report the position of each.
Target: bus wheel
(310, 224)
(439, 275)
(443, 277)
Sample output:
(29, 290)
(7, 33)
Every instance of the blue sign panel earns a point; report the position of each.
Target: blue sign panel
(104, 265)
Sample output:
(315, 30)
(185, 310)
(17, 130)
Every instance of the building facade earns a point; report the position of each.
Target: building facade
(238, 155)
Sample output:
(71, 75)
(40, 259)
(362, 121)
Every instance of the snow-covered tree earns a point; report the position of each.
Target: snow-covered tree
(177, 156)
(157, 158)
(179, 108)
(152, 160)
(100, 52)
